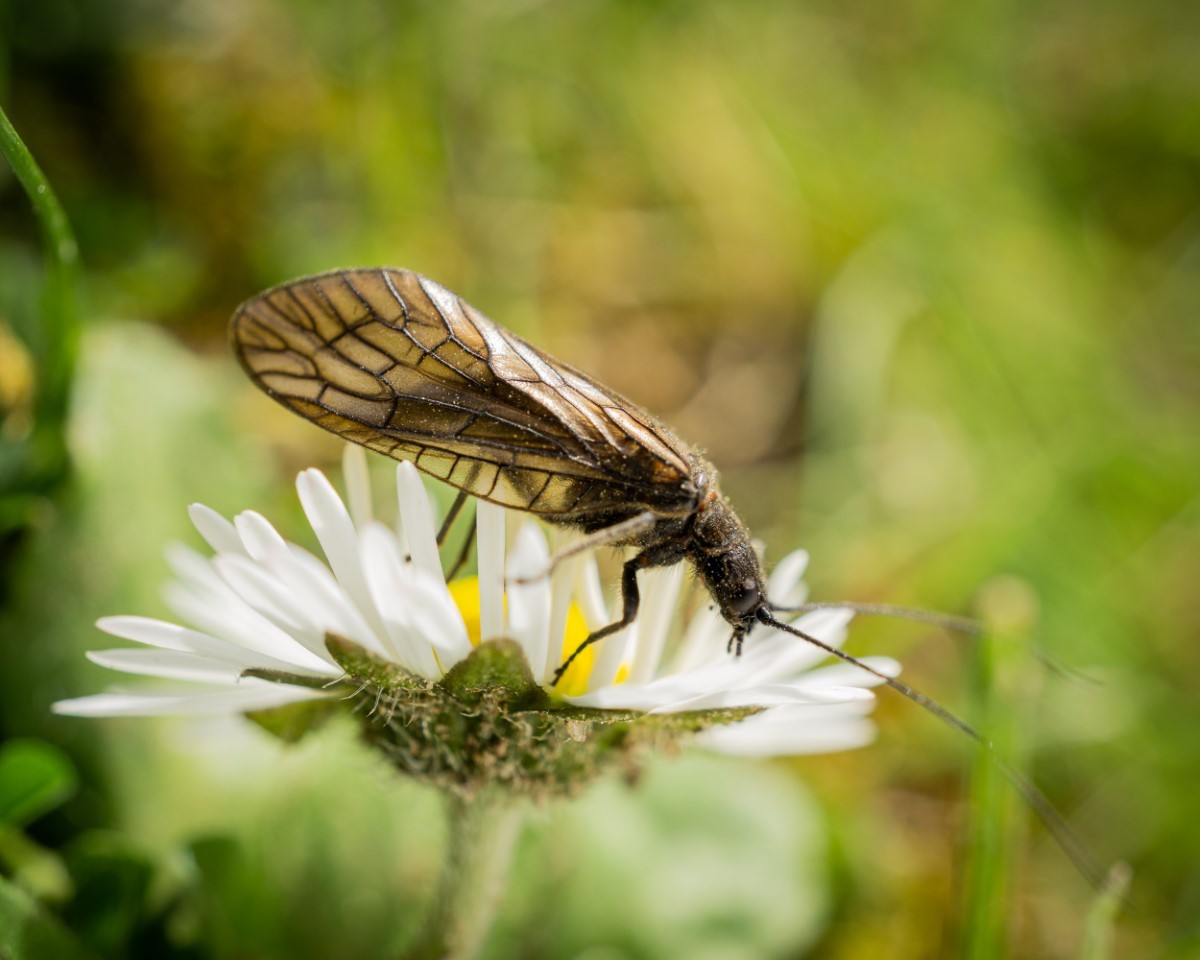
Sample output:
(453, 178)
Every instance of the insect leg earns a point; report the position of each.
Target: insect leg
(451, 516)
(630, 600)
(604, 537)
(464, 552)
(736, 640)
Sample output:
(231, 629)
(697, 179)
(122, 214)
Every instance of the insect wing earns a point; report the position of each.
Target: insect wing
(394, 361)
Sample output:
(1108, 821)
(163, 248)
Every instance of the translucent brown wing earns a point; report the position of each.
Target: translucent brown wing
(396, 362)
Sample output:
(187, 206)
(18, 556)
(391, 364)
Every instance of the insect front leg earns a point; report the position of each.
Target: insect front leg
(630, 600)
(451, 516)
(465, 551)
(604, 537)
(735, 641)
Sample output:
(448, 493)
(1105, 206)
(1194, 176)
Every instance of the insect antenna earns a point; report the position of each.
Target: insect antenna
(1064, 836)
(947, 621)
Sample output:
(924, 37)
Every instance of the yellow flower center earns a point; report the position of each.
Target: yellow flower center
(465, 593)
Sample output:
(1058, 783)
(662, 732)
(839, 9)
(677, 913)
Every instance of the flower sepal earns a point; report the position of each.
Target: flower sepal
(496, 671)
(363, 669)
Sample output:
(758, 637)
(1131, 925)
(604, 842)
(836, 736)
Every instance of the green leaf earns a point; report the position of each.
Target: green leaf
(293, 721)
(111, 882)
(32, 867)
(27, 932)
(34, 779)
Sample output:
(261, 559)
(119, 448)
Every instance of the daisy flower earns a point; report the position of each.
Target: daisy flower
(454, 681)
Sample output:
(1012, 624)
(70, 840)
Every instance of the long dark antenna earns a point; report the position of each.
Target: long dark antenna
(1063, 835)
(946, 620)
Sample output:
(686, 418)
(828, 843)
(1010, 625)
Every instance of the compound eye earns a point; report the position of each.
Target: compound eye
(746, 599)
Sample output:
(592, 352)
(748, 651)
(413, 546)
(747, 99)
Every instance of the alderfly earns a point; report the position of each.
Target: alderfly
(396, 362)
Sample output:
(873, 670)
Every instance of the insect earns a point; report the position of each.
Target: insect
(396, 362)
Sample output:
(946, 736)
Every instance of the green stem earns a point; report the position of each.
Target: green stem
(55, 347)
(1000, 662)
(1102, 918)
(482, 834)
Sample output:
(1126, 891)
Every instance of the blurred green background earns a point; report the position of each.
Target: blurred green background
(923, 278)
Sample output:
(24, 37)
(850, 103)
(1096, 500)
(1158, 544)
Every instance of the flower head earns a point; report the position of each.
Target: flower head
(454, 682)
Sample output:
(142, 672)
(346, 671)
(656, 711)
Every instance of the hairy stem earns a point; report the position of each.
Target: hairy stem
(482, 834)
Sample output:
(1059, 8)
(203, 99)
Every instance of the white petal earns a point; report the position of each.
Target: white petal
(215, 529)
(240, 699)
(358, 483)
(611, 655)
(160, 633)
(315, 590)
(331, 523)
(562, 581)
(611, 652)
(529, 602)
(169, 664)
(847, 674)
(311, 587)
(705, 639)
(268, 596)
(771, 654)
(809, 715)
(785, 586)
(261, 540)
(767, 696)
(299, 613)
(489, 540)
(667, 698)
(170, 636)
(437, 620)
(271, 599)
(790, 731)
(416, 516)
(725, 673)
(196, 570)
(591, 592)
(771, 657)
(390, 581)
(660, 596)
(230, 618)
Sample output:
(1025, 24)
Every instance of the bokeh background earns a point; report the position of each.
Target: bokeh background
(924, 279)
